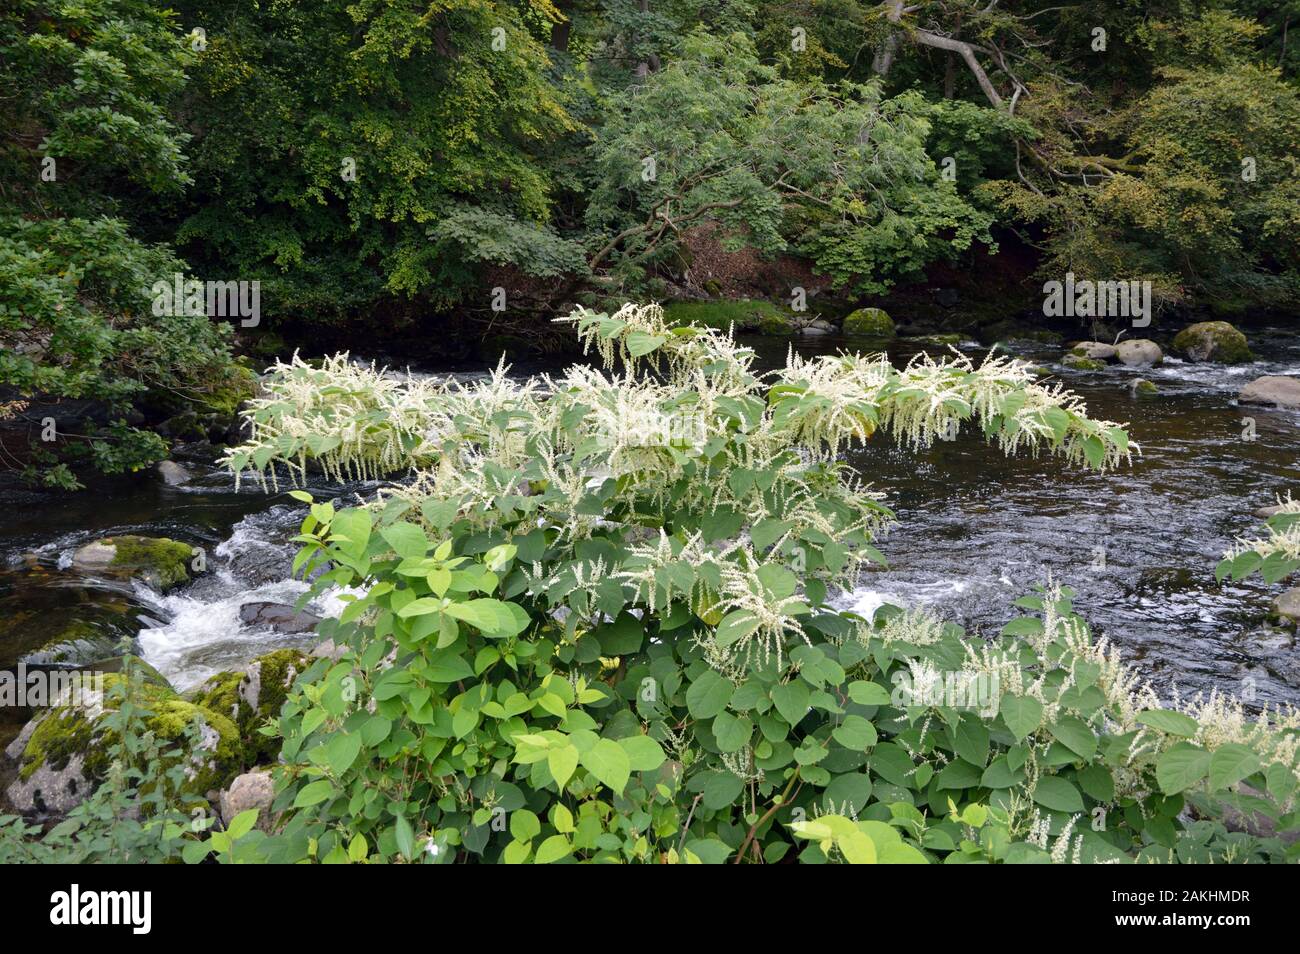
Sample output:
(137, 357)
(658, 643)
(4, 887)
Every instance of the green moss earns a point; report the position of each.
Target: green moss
(1143, 386)
(1043, 336)
(165, 561)
(744, 315)
(869, 321)
(79, 643)
(1079, 363)
(71, 730)
(239, 385)
(268, 344)
(228, 693)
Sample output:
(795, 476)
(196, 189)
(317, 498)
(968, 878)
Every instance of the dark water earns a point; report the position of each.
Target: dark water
(1139, 545)
(976, 530)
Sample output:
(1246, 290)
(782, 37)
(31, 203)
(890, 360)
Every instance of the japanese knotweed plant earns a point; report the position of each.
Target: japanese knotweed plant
(685, 479)
(1275, 556)
(594, 625)
(1044, 746)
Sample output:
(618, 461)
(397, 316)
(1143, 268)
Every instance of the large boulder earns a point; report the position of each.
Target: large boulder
(162, 563)
(742, 315)
(277, 616)
(250, 696)
(252, 790)
(172, 473)
(1272, 389)
(869, 321)
(63, 754)
(1212, 341)
(1287, 606)
(1139, 353)
(77, 646)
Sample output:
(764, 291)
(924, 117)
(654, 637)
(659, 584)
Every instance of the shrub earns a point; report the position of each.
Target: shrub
(594, 625)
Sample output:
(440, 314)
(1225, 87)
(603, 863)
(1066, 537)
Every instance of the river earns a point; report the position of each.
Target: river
(975, 531)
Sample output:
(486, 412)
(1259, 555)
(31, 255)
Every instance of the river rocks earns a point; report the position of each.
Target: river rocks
(817, 326)
(1139, 353)
(1094, 350)
(741, 315)
(252, 790)
(1272, 389)
(277, 616)
(162, 563)
(1244, 817)
(253, 694)
(1286, 607)
(328, 649)
(869, 321)
(172, 473)
(78, 646)
(1212, 341)
(1143, 386)
(64, 752)
(1082, 364)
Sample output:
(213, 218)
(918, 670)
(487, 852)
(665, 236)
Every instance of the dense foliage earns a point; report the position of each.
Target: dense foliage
(597, 625)
(378, 162)
(87, 147)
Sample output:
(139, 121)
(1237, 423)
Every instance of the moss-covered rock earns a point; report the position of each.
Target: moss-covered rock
(77, 645)
(869, 321)
(1080, 363)
(161, 562)
(744, 315)
(63, 754)
(239, 384)
(252, 695)
(1143, 386)
(1213, 341)
(939, 340)
(1096, 350)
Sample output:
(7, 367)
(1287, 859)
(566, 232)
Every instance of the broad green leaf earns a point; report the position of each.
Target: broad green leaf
(644, 754)
(1076, 735)
(1169, 722)
(1181, 766)
(1230, 763)
(407, 540)
(791, 700)
(708, 695)
(313, 793)
(1022, 714)
(562, 760)
(608, 762)
(1059, 795)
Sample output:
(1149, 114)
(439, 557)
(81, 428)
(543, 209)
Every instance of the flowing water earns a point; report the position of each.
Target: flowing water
(975, 531)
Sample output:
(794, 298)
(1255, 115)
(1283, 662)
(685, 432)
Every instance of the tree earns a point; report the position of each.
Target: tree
(357, 156)
(86, 144)
(838, 172)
